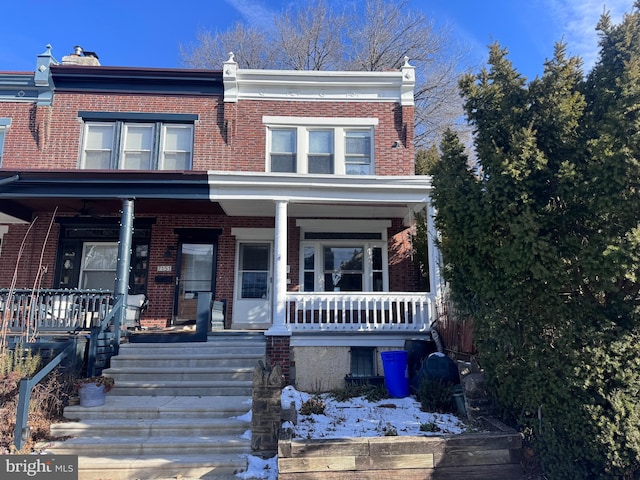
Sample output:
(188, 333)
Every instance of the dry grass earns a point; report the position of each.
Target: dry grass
(48, 399)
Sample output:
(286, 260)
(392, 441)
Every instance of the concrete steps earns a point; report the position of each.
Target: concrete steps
(177, 409)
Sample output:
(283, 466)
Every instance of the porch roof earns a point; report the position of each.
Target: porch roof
(25, 192)
(333, 196)
(236, 194)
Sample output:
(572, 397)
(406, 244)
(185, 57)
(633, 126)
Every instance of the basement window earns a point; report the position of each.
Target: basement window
(362, 362)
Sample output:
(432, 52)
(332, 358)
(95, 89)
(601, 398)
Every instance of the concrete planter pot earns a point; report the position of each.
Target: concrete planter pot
(91, 395)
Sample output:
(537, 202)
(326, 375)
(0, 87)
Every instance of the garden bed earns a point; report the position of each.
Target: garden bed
(474, 456)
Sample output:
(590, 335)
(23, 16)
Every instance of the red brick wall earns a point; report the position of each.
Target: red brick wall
(50, 137)
(404, 273)
(279, 352)
(394, 124)
(35, 255)
(22, 141)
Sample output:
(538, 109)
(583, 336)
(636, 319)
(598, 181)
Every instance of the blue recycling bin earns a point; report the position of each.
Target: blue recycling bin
(396, 373)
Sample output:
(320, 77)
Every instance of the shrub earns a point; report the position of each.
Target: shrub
(372, 393)
(435, 395)
(313, 406)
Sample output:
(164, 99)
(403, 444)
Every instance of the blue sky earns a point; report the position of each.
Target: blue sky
(147, 33)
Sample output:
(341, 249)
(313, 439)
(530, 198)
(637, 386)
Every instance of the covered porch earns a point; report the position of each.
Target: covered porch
(314, 229)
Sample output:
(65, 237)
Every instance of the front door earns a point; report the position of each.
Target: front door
(252, 306)
(195, 264)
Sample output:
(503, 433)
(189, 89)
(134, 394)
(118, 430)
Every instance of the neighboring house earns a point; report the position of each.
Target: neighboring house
(289, 195)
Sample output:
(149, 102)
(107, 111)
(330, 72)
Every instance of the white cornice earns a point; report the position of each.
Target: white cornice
(324, 86)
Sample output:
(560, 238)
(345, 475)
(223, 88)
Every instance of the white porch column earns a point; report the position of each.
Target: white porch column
(279, 313)
(435, 259)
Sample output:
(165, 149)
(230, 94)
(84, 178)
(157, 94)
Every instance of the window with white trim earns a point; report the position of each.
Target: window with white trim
(341, 146)
(124, 145)
(352, 260)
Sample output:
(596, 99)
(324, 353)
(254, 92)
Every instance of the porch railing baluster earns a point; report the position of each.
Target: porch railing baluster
(362, 311)
(52, 309)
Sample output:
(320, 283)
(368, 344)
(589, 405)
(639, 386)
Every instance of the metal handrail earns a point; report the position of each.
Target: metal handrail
(21, 432)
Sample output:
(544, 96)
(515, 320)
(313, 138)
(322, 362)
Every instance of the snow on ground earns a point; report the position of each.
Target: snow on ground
(356, 417)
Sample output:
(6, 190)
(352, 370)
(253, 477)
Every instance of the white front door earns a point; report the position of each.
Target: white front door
(252, 297)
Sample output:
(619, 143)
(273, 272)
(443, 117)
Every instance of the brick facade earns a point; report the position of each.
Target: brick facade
(228, 137)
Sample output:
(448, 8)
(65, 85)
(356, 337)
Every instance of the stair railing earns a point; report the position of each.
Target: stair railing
(22, 431)
(100, 335)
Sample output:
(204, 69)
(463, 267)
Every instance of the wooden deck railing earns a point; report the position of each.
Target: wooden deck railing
(52, 309)
(360, 311)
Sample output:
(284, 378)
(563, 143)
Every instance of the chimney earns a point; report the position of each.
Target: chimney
(81, 57)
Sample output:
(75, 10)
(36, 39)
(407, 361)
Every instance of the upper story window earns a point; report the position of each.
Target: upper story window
(4, 126)
(137, 141)
(342, 146)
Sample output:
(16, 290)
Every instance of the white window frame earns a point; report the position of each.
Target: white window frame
(164, 150)
(117, 150)
(5, 123)
(338, 227)
(339, 126)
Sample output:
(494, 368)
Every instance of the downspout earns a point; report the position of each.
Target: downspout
(124, 266)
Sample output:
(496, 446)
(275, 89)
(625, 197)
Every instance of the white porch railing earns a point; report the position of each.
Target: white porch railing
(360, 311)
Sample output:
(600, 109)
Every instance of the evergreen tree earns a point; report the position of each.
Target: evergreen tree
(542, 246)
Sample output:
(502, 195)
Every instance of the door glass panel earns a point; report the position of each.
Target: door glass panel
(254, 270)
(195, 276)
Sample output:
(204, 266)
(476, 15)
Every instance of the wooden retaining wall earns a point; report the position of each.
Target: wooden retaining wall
(469, 456)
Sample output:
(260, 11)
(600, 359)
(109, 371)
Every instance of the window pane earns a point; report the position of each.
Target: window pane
(376, 257)
(99, 261)
(320, 141)
(98, 280)
(136, 161)
(177, 161)
(100, 256)
(357, 143)
(378, 283)
(345, 282)
(176, 154)
(283, 141)
(321, 164)
(254, 284)
(309, 258)
(285, 163)
(357, 169)
(137, 148)
(139, 137)
(255, 257)
(309, 282)
(343, 258)
(358, 153)
(177, 138)
(97, 160)
(98, 145)
(99, 137)
(283, 150)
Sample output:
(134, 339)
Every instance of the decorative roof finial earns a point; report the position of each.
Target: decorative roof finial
(232, 57)
(406, 61)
